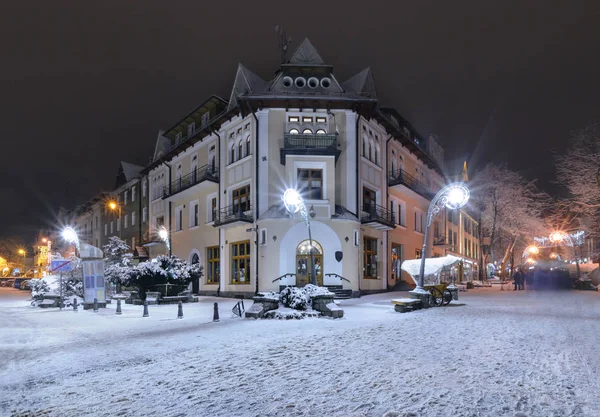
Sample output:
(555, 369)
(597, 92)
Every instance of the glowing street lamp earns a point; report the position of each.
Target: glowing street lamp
(163, 234)
(70, 235)
(294, 203)
(114, 206)
(452, 196)
(534, 250)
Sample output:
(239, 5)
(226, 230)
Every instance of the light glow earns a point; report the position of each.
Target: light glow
(457, 196)
(292, 200)
(112, 205)
(534, 250)
(69, 235)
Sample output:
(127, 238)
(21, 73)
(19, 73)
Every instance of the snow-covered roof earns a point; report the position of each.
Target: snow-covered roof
(433, 266)
(131, 171)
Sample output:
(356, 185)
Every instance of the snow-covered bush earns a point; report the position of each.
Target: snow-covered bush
(293, 297)
(117, 261)
(163, 270)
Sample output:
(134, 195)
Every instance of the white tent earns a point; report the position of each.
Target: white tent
(433, 268)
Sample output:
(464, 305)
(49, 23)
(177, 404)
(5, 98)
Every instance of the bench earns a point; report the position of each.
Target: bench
(402, 305)
(152, 297)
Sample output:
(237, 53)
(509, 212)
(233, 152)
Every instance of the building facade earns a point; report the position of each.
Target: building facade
(366, 176)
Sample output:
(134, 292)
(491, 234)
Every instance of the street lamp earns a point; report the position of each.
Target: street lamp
(534, 250)
(113, 205)
(70, 235)
(293, 203)
(452, 196)
(163, 234)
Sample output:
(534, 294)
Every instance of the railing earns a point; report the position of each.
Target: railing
(440, 240)
(233, 213)
(338, 276)
(377, 213)
(312, 141)
(283, 276)
(198, 175)
(400, 176)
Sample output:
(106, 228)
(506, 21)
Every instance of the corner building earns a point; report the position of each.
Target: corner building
(218, 176)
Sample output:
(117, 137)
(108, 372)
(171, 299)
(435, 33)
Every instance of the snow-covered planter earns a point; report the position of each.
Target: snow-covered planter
(294, 297)
(49, 288)
(296, 303)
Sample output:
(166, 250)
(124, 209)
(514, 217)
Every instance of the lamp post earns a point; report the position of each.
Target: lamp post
(163, 233)
(293, 203)
(22, 253)
(452, 196)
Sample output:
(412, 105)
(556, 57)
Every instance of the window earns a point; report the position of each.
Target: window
(133, 194)
(402, 213)
(125, 197)
(160, 222)
(212, 265)
(310, 183)
(144, 214)
(133, 219)
(125, 222)
(106, 229)
(419, 221)
(307, 132)
(240, 149)
(144, 186)
(370, 252)
(369, 199)
(240, 199)
(464, 249)
(397, 259)
(195, 214)
(418, 253)
(118, 224)
(293, 119)
(356, 238)
(248, 146)
(240, 262)
(232, 153)
(307, 120)
(321, 132)
(370, 151)
(294, 131)
(191, 128)
(111, 227)
(179, 218)
(213, 209)
(263, 237)
(364, 147)
(205, 119)
(321, 120)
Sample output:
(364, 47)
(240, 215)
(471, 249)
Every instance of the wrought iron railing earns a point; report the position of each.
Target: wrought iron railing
(337, 276)
(284, 276)
(377, 213)
(401, 177)
(205, 173)
(311, 141)
(233, 213)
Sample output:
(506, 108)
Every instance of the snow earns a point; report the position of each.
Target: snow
(494, 353)
(433, 266)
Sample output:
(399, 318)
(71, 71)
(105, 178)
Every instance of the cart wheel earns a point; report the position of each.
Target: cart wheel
(447, 297)
(437, 299)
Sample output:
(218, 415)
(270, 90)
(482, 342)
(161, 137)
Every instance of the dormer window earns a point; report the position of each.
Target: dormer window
(307, 120)
(321, 132)
(178, 137)
(191, 128)
(205, 119)
(293, 119)
(307, 132)
(321, 120)
(294, 131)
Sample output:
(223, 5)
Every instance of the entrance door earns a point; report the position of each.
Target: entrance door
(303, 263)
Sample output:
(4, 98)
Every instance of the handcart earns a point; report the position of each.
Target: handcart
(436, 279)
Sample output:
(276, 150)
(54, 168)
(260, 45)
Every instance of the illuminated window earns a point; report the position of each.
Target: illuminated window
(370, 255)
(321, 120)
(321, 132)
(213, 273)
(307, 132)
(294, 131)
(307, 120)
(293, 119)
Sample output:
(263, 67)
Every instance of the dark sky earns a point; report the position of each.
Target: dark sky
(86, 84)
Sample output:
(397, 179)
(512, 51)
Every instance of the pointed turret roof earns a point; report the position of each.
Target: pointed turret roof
(306, 54)
(246, 82)
(362, 83)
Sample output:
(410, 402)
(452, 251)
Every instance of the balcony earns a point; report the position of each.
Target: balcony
(205, 173)
(312, 144)
(400, 177)
(233, 214)
(377, 217)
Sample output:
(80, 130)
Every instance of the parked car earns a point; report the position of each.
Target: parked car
(10, 283)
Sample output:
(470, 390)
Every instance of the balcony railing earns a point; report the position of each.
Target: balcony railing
(378, 215)
(205, 173)
(400, 177)
(312, 144)
(234, 213)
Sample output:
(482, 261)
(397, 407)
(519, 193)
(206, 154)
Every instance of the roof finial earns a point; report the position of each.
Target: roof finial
(284, 41)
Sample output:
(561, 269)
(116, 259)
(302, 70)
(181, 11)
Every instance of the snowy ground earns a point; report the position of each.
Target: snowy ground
(498, 354)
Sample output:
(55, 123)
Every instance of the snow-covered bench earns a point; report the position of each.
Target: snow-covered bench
(152, 297)
(402, 305)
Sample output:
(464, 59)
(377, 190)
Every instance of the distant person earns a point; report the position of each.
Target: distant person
(518, 280)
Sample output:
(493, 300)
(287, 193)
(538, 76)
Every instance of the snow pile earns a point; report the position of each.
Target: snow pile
(294, 297)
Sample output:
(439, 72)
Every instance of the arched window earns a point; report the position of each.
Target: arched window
(394, 163)
(213, 162)
(376, 160)
(321, 132)
(371, 151)
(232, 151)
(364, 147)
(248, 145)
(240, 149)
(307, 132)
(294, 131)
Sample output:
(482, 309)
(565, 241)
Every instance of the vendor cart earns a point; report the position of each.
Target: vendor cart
(436, 279)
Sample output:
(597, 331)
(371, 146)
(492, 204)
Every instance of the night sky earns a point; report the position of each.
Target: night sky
(87, 84)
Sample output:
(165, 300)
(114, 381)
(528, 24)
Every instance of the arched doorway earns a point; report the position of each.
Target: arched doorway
(303, 263)
(196, 282)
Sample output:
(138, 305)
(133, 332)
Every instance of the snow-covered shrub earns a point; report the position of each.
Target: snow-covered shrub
(39, 287)
(117, 261)
(311, 290)
(293, 297)
(164, 270)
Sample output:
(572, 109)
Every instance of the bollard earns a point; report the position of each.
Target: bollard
(146, 309)
(216, 313)
(74, 304)
(95, 305)
(119, 306)
(180, 310)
